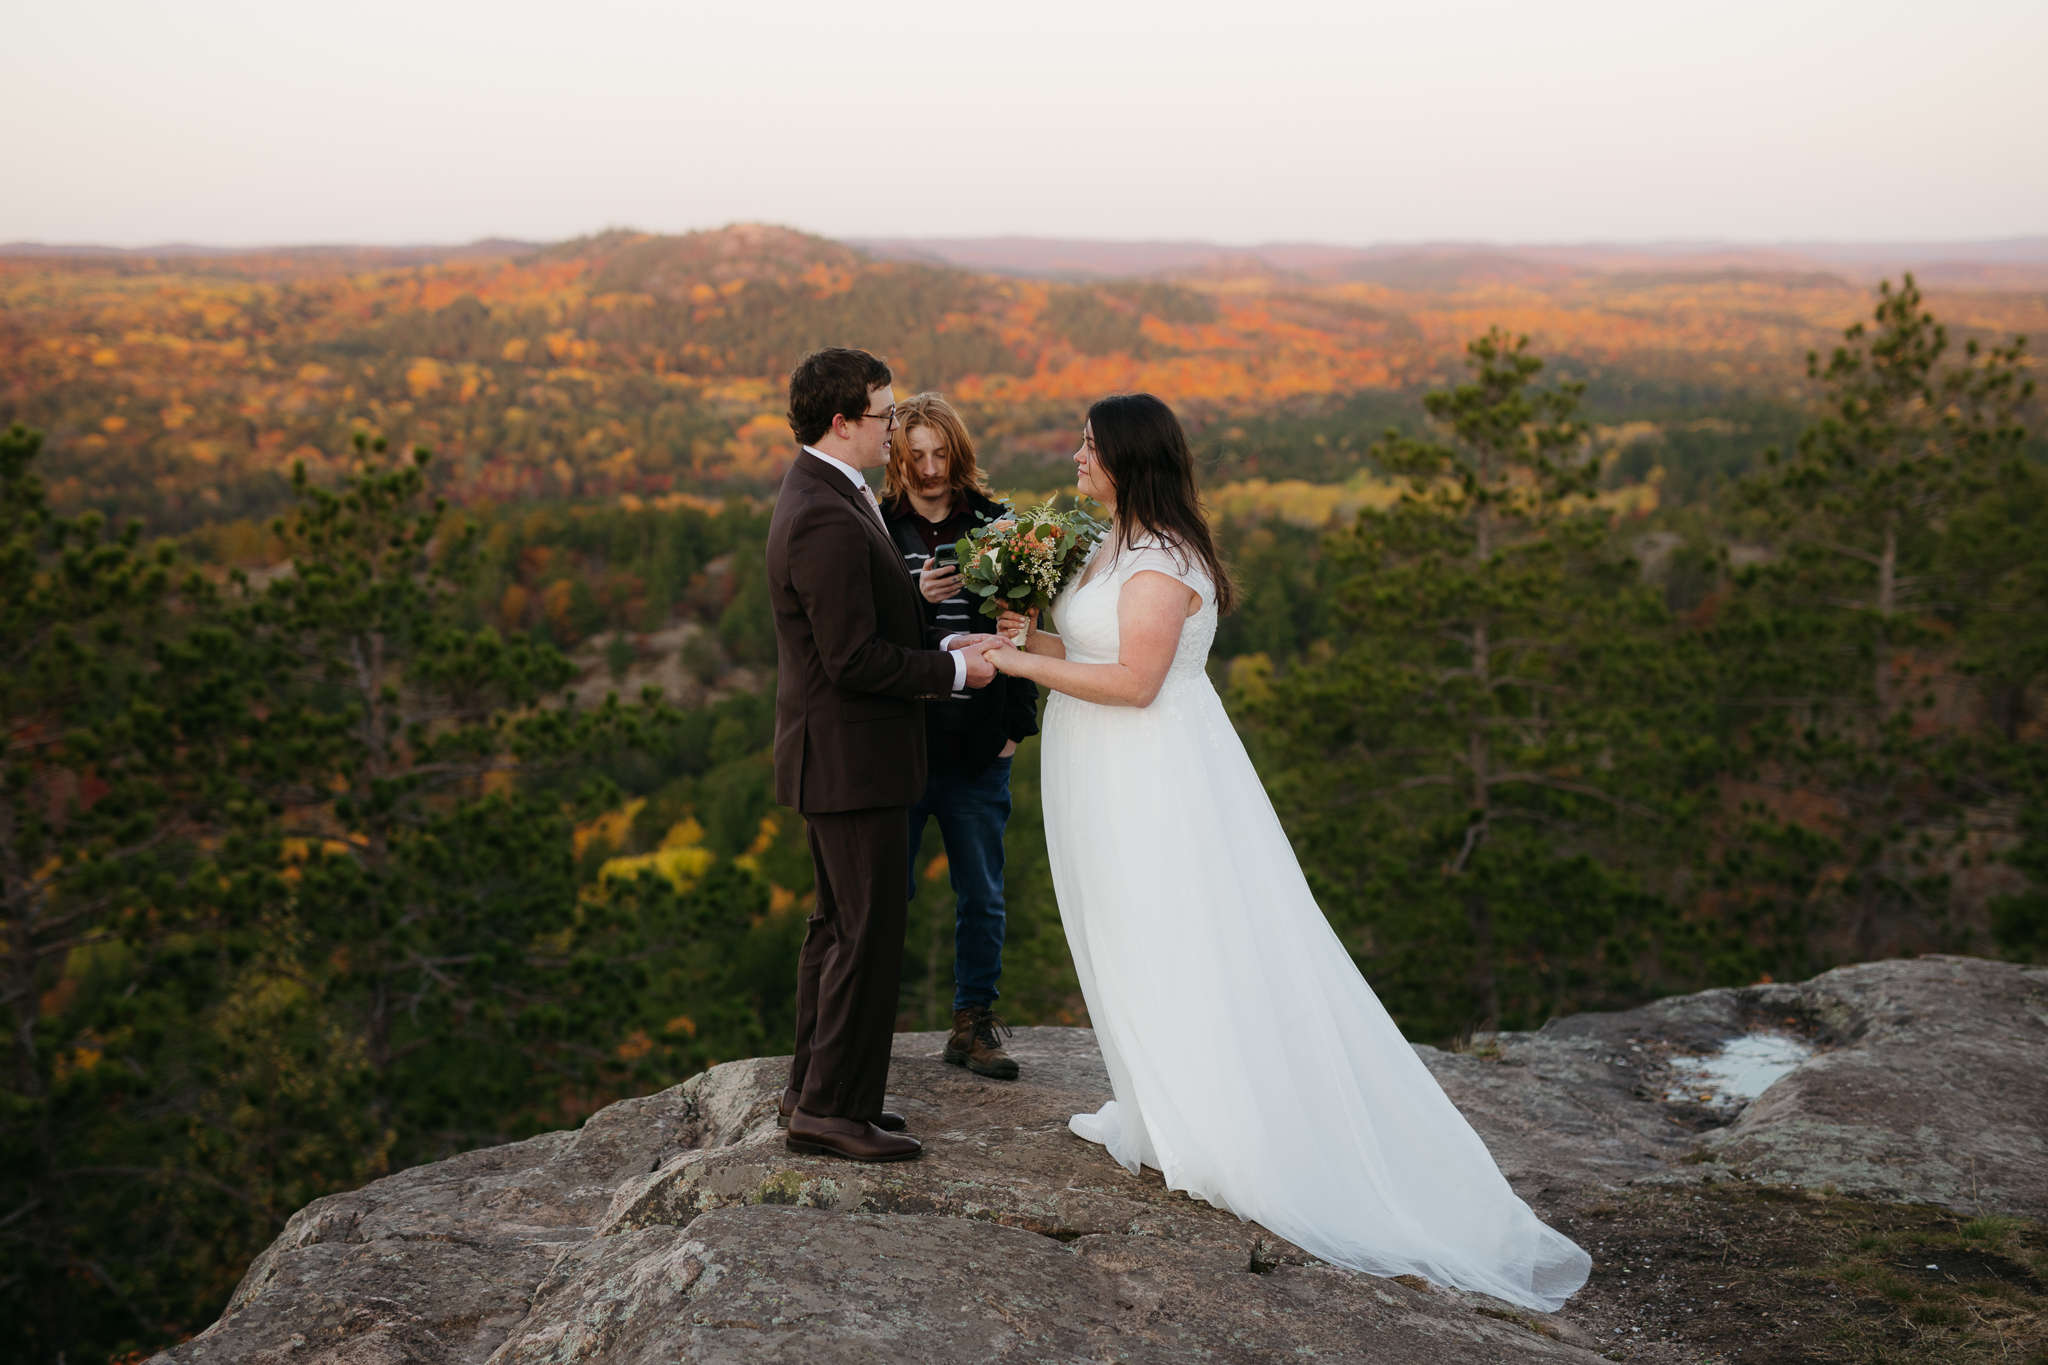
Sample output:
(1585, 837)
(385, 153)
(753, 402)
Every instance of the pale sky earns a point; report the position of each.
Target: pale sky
(285, 121)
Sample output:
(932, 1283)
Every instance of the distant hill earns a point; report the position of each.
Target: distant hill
(2020, 262)
(186, 387)
(489, 248)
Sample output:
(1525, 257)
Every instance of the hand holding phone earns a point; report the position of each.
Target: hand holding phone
(940, 577)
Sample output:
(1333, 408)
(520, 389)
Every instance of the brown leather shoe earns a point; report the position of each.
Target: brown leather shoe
(976, 1046)
(848, 1138)
(888, 1120)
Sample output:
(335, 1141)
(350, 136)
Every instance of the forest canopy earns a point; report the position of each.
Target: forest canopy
(386, 804)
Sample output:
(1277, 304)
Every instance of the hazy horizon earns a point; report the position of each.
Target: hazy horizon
(2035, 243)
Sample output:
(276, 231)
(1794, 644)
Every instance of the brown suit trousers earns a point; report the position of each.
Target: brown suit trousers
(855, 661)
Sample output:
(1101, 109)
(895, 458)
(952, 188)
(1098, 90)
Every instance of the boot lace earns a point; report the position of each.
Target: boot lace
(987, 1025)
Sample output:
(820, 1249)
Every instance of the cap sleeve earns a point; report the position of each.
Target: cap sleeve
(1175, 562)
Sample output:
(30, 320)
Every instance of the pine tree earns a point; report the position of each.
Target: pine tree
(435, 885)
(117, 734)
(1485, 720)
(1832, 647)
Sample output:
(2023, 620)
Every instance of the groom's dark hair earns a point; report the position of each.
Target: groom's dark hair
(833, 382)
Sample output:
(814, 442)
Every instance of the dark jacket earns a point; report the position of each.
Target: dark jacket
(967, 730)
(855, 654)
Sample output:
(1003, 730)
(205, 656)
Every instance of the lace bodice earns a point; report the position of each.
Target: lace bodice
(1086, 619)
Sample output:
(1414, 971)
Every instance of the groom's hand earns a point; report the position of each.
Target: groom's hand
(980, 672)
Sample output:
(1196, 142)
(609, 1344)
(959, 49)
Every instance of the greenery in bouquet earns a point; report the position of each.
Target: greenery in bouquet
(1022, 559)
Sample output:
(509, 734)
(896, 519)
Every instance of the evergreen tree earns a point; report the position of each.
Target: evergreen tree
(1832, 649)
(435, 888)
(1495, 710)
(118, 729)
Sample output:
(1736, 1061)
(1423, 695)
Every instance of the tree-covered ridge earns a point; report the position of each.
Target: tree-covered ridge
(185, 390)
(348, 838)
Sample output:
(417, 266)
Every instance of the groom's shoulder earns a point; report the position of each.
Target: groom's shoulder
(802, 489)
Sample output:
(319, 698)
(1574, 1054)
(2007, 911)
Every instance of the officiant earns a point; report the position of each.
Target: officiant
(932, 494)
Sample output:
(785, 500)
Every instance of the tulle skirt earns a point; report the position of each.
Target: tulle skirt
(1252, 1064)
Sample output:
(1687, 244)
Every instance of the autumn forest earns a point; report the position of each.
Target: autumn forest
(388, 669)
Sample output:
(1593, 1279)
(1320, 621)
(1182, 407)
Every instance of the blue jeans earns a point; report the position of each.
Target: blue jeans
(971, 811)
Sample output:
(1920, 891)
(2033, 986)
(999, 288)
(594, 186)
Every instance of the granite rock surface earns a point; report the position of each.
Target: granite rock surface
(676, 1227)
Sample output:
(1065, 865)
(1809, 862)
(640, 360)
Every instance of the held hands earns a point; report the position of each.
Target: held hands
(1005, 657)
(1008, 656)
(980, 673)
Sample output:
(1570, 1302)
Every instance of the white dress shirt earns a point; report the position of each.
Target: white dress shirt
(853, 476)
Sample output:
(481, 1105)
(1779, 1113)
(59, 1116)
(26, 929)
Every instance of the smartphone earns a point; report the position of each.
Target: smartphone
(947, 556)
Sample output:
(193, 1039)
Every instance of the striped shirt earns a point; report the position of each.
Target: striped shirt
(955, 615)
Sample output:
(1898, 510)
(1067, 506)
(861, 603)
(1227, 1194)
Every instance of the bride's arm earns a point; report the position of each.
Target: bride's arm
(1038, 641)
(1149, 612)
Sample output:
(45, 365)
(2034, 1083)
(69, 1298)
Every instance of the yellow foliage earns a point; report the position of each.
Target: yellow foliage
(764, 839)
(112, 425)
(611, 828)
(680, 861)
(636, 1046)
(82, 1058)
(937, 868)
(1251, 678)
(515, 350)
(106, 356)
(1299, 502)
(679, 867)
(682, 1023)
(423, 376)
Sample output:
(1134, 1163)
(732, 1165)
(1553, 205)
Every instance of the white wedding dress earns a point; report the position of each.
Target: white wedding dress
(1252, 1064)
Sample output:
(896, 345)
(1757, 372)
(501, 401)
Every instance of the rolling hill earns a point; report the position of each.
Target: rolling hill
(184, 388)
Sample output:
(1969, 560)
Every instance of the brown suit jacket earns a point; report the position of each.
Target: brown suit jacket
(855, 657)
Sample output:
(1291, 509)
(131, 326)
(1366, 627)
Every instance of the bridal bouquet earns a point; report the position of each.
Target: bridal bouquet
(1022, 560)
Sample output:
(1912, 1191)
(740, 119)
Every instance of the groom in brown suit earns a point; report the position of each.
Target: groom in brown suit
(856, 663)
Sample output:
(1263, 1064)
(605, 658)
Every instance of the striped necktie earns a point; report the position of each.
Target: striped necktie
(875, 506)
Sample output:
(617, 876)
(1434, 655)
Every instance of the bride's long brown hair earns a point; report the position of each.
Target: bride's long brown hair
(1145, 453)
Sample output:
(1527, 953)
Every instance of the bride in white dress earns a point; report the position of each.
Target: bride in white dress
(1252, 1064)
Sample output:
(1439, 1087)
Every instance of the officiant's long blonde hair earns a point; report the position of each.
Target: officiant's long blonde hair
(935, 413)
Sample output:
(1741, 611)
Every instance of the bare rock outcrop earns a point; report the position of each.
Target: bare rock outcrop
(1927, 1082)
(676, 1227)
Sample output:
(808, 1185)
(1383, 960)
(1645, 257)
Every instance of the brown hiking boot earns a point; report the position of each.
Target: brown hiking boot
(974, 1043)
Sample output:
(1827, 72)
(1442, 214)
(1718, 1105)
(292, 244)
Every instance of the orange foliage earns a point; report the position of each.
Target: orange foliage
(632, 366)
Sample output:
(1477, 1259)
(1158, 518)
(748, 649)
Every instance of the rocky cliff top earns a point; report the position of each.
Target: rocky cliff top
(1906, 1130)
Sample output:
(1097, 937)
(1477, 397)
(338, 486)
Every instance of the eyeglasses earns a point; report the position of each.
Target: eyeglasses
(890, 415)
